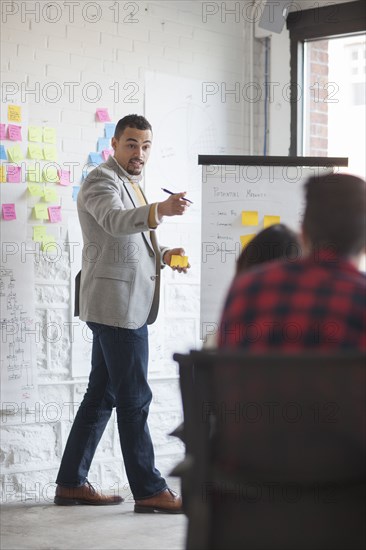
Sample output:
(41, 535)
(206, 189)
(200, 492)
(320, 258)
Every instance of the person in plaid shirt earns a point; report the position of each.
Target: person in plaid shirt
(315, 301)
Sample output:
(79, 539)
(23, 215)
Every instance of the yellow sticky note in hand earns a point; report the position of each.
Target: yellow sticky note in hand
(249, 217)
(14, 113)
(245, 239)
(271, 220)
(41, 211)
(179, 261)
(35, 133)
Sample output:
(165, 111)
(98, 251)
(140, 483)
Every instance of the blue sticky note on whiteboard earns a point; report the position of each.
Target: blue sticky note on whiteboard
(109, 131)
(103, 143)
(3, 153)
(95, 158)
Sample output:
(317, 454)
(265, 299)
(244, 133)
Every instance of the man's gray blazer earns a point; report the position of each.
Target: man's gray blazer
(120, 275)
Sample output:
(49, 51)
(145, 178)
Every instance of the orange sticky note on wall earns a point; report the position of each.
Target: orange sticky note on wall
(179, 261)
(271, 220)
(2, 173)
(14, 113)
(249, 217)
(245, 239)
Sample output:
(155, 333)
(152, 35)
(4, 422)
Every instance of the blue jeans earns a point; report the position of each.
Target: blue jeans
(118, 378)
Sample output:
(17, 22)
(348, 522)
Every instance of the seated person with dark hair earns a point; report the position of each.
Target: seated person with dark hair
(274, 242)
(317, 301)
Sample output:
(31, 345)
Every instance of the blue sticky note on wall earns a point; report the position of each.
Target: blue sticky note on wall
(3, 153)
(104, 143)
(95, 158)
(109, 130)
(75, 191)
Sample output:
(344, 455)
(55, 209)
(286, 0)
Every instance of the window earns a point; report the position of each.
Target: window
(328, 53)
(333, 116)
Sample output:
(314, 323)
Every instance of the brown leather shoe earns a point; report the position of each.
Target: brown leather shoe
(86, 494)
(167, 502)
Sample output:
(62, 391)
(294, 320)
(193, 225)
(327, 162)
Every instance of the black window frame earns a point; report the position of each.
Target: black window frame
(325, 22)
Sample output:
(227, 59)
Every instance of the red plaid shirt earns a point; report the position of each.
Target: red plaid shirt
(311, 303)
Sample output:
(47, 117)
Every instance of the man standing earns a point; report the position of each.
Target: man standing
(119, 297)
(317, 301)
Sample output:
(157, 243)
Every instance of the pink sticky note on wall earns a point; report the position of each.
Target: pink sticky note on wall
(103, 115)
(54, 213)
(13, 173)
(106, 153)
(2, 131)
(64, 177)
(14, 132)
(9, 212)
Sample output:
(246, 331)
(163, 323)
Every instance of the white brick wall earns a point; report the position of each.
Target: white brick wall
(170, 37)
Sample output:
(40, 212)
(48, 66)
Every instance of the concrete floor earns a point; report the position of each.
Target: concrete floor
(31, 526)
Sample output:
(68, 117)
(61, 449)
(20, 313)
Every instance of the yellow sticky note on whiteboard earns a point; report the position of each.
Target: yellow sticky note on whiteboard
(249, 217)
(245, 239)
(179, 261)
(271, 220)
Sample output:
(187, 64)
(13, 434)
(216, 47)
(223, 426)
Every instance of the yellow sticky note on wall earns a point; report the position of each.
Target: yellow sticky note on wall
(34, 173)
(15, 153)
(249, 217)
(49, 134)
(50, 174)
(271, 220)
(14, 113)
(245, 239)
(41, 211)
(2, 174)
(39, 233)
(179, 261)
(35, 151)
(35, 189)
(35, 133)
(50, 152)
(47, 242)
(50, 194)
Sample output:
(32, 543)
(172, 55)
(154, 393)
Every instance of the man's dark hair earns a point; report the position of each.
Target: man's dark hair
(131, 121)
(335, 213)
(273, 243)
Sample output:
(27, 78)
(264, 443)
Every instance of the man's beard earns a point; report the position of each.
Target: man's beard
(134, 170)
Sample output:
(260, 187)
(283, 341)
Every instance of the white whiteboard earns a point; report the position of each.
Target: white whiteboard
(227, 192)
